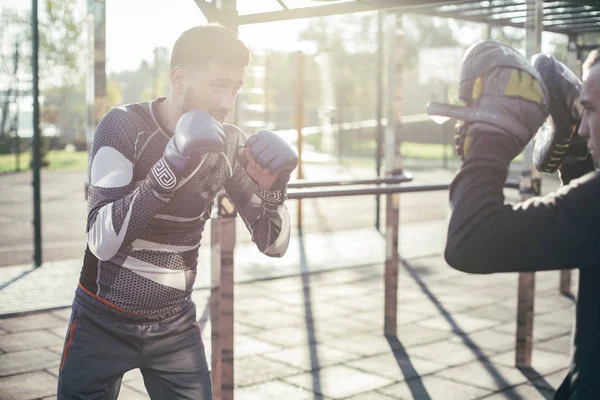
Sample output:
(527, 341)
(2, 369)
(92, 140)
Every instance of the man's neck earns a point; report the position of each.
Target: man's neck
(169, 113)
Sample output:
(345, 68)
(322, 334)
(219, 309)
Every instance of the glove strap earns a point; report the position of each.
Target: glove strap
(162, 177)
(272, 196)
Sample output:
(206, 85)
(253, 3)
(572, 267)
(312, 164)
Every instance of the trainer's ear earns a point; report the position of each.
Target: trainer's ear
(177, 79)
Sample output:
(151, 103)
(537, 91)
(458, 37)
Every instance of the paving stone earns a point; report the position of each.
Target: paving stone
(312, 357)
(564, 317)
(133, 392)
(555, 302)
(64, 314)
(460, 323)
(472, 281)
(49, 398)
(466, 298)
(376, 317)
(396, 366)
(53, 371)
(488, 376)
(542, 331)
(245, 346)
(271, 319)
(60, 331)
(292, 336)
(448, 353)
(27, 361)
(365, 345)
(31, 322)
(257, 369)
(274, 390)
(321, 310)
(344, 326)
(252, 305)
(416, 335)
(282, 285)
(560, 345)
(31, 385)
(551, 381)
(136, 385)
(428, 308)
(339, 381)
(363, 302)
(28, 341)
(370, 396)
(344, 290)
(493, 312)
(431, 387)
(238, 327)
(132, 375)
(2, 332)
(488, 339)
(56, 349)
(543, 362)
(526, 391)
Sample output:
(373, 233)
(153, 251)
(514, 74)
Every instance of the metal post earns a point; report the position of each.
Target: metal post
(572, 62)
(380, 64)
(18, 101)
(299, 125)
(37, 212)
(529, 186)
(392, 159)
(221, 297)
(96, 91)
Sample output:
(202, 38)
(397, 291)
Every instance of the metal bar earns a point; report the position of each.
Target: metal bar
(295, 194)
(299, 125)
(459, 8)
(208, 9)
(282, 4)
(529, 186)
(594, 26)
(334, 9)
(301, 193)
(222, 297)
(379, 82)
(387, 180)
(392, 166)
(37, 210)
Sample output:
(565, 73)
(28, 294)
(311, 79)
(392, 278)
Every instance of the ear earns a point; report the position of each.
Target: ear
(177, 80)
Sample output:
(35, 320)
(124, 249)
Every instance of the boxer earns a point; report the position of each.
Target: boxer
(155, 170)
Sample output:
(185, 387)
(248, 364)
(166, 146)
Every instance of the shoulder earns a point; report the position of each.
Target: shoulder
(234, 131)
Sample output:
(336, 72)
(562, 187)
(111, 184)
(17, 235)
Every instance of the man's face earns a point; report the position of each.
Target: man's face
(212, 87)
(590, 121)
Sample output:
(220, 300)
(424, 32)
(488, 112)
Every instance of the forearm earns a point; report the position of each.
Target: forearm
(115, 225)
(486, 236)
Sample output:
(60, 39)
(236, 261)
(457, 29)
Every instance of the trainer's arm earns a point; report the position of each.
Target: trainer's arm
(118, 208)
(558, 231)
(268, 223)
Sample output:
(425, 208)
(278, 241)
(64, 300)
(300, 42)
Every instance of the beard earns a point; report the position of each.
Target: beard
(191, 102)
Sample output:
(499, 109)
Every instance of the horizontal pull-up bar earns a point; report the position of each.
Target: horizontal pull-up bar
(301, 184)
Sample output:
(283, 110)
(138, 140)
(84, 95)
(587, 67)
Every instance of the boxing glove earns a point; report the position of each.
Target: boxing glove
(557, 142)
(196, 132)
(273, 153)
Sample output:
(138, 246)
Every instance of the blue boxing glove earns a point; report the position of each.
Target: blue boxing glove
(196, 133)
(272, 153)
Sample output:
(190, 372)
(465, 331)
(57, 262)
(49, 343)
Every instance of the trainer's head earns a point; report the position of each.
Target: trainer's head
(207, 68)
(590, 100)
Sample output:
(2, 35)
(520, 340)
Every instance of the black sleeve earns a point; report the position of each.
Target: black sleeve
(557, 231)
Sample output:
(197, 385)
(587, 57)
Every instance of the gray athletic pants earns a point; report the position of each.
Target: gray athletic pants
(102, 343)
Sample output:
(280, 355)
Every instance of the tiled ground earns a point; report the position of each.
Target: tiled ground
(321, 337)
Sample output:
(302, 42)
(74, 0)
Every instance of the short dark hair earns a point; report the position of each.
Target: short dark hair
(592, 59)
(200, 44)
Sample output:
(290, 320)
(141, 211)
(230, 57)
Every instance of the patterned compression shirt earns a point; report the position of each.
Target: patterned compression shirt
(142, 246)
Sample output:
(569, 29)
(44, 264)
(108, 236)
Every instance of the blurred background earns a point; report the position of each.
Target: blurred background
(338, 89)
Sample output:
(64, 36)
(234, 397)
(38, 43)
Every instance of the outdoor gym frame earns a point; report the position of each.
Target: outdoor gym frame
(572, 18)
